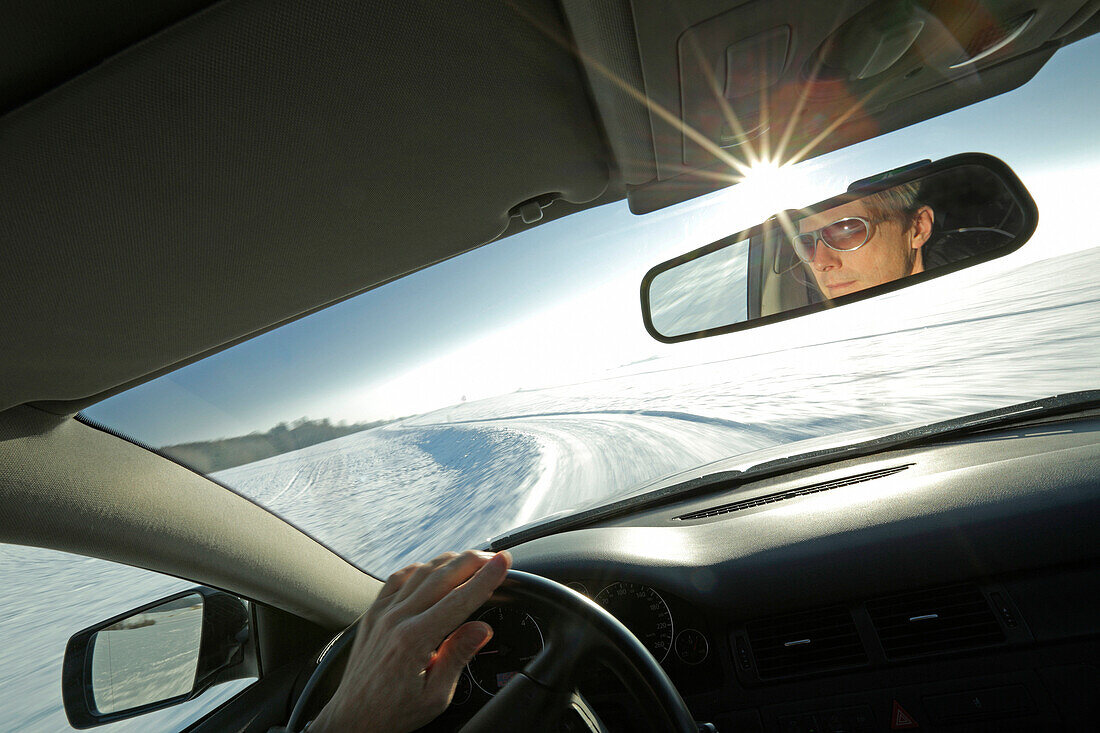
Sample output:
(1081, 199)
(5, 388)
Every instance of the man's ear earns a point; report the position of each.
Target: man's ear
(922, 226)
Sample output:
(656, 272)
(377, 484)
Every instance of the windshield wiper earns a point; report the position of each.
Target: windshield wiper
(1013, 415)
(1019, 414)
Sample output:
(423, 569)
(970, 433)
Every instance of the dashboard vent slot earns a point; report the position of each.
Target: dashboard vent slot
(804, 643)
(934, 621)
(737, 506)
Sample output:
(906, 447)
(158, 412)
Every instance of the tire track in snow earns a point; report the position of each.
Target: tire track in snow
(593, 458)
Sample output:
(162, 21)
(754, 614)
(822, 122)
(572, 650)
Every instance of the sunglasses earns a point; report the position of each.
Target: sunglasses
(844, 235)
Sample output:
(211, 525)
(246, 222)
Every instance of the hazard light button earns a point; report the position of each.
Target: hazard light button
(901, 720)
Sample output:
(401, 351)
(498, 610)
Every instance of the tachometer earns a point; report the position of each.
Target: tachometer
(643, 611)
(516, 640)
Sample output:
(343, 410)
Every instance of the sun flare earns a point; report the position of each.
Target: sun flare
(767, 187)
(762, 172)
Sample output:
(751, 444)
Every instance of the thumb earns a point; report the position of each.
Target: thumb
(455, 651)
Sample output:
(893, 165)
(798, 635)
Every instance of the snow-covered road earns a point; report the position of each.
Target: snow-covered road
(589, 457)
(458, 484)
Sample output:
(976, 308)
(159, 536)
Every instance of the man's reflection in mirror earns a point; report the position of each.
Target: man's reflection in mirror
(867, 242)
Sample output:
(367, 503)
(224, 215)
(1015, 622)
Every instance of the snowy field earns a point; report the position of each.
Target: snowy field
(457, 476)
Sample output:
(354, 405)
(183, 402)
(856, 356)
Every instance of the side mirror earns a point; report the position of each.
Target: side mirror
(156, 656)
(886, 232)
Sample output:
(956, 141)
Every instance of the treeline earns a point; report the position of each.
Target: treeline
(214, 455)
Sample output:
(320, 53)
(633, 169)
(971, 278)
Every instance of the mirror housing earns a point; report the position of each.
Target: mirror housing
(945, 216)
(205, 632)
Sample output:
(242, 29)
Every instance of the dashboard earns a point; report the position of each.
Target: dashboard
(952, 587)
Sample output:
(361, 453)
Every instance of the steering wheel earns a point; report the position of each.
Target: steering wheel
(544, 690)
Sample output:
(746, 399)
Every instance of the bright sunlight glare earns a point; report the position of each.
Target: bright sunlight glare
(767, 188)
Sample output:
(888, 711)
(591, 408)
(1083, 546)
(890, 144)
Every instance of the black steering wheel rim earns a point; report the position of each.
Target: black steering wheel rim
(579, 627)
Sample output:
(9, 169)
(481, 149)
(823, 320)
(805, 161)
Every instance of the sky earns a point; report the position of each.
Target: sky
(559, 303)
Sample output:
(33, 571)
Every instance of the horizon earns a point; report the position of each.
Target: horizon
(381, 422)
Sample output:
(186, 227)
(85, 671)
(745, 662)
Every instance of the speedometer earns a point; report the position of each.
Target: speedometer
(642, 610)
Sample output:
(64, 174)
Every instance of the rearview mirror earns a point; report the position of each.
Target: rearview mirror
(156, 656)
(886, 232)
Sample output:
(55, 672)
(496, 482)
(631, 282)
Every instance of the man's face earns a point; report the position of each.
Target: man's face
(891, 252)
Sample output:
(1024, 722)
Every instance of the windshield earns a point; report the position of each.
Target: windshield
(517, 381)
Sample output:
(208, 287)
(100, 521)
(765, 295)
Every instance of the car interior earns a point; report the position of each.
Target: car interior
(185, 175)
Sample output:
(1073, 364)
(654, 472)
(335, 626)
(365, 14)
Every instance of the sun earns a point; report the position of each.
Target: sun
(762, 172)
(767, 187)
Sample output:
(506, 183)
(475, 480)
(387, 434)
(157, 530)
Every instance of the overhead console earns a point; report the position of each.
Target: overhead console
(727, 88)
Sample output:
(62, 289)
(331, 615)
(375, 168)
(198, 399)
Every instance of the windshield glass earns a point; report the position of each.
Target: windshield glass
(517, 381)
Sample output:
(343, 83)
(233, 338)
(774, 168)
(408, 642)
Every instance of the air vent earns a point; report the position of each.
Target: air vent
(934, 621)
(804, 643)
(791, 493)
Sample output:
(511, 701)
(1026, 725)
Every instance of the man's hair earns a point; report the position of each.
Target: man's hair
(897, 203)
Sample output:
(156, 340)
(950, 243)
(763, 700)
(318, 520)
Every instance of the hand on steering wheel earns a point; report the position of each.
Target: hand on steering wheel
(406, 659)
(411, 646)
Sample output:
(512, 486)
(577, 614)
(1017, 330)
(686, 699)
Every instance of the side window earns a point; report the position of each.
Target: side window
(47, 597)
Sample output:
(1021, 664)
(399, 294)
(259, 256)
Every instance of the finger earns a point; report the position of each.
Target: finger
(395, 582)
(420, 573)
(445, 579)
(386, 596)
(455, 653)
(457, 605)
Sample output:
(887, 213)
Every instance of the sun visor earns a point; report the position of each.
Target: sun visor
(262, 159)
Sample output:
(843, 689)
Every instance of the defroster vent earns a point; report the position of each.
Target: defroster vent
(804, 643)
(934, 621)
(737, 506)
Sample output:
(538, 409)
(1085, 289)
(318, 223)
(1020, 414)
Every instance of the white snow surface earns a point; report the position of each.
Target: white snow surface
(455, 477)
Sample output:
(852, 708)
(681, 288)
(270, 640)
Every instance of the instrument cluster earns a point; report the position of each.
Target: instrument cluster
(673, 633)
